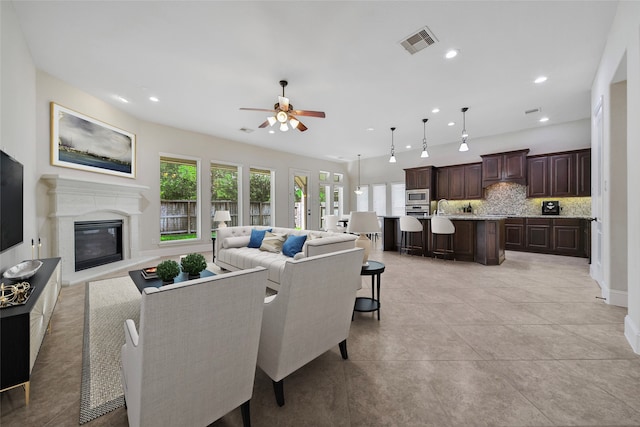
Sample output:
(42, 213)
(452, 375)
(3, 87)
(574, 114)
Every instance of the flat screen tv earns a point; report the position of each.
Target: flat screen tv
(11, 201)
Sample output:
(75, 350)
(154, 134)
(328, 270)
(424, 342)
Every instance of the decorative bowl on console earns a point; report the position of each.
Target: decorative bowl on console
(22, 271)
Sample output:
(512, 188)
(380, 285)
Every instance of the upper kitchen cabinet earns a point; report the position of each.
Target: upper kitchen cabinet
(461, 182)
(584, 173)
(419, 178)
(560, 174)
(505, 167)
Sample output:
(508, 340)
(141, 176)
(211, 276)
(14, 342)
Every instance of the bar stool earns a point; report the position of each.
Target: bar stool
(442, 225)
(409, 224)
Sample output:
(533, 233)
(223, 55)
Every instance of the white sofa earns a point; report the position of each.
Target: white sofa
(232, 251)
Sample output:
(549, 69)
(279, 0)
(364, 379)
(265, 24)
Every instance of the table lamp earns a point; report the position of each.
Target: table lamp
(221, 217)
(363, 223)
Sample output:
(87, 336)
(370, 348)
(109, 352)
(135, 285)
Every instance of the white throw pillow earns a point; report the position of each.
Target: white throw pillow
(299, 255)
(273, 242)
(236, 242)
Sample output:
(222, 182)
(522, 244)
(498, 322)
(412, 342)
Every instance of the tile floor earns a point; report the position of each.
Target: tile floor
(458, 344)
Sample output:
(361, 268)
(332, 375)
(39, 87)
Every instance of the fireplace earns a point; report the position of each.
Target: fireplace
(97, 243)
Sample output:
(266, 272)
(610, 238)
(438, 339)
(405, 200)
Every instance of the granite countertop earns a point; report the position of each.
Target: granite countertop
(485, 217)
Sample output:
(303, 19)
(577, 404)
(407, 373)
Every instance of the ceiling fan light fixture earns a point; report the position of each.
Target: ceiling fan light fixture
(281, 116)
(272, 120)
(294, 123)
(284, 127)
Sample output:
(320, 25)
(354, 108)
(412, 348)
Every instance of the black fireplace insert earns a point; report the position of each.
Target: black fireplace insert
(97, 243)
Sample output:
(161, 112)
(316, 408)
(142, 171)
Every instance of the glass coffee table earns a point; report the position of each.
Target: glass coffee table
(141, 282)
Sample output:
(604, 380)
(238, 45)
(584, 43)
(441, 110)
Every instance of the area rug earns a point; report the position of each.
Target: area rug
(108, 303)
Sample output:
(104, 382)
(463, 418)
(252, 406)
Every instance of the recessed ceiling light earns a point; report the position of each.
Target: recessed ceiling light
(370, 129)
(435, 110)
(153, 98)
(451, 53)
(407, 146)
(540, 79)
(544, 119)
(272, 131)
(122, 99)
(451, 124)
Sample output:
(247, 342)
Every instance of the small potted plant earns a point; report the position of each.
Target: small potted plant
(167, 271)
(193, 264)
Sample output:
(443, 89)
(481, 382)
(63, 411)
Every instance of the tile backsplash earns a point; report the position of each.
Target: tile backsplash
(507, 198)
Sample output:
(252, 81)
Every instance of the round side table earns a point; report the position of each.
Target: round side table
(366, 304)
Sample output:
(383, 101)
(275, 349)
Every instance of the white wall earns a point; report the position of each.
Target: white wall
(153, 139)
(17, 123)
(623, 43)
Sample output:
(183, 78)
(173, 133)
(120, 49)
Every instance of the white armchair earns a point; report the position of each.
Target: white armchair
(310, 314)
(193, 359)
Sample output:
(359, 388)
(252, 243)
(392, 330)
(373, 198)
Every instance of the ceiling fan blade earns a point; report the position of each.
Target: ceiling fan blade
(309, 113)
(258, 109)
(284, 103)
(265, 124)
(301, 127)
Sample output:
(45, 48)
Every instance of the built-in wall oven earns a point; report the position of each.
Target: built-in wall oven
(417, 210)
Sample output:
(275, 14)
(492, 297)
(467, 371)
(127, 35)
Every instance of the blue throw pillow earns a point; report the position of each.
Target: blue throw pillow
(256, 238)
(293, 245)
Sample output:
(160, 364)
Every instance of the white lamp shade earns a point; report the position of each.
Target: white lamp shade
(363, 223)
(222, 216)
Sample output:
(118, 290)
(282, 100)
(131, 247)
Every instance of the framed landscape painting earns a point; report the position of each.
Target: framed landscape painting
(82, 142)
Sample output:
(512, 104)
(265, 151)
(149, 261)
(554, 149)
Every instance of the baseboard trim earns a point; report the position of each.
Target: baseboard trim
(614, 297)
(632, 333)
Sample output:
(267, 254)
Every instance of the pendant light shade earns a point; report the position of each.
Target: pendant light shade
(392, 159)
(463, 144)
(358, 191)
(425, 153)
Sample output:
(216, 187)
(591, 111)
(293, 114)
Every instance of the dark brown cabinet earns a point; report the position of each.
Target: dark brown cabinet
(560, 174)
(505, 167)
(557, 236)
(442, 183)
(419, 178)
(563, 175)
(461, 182)
(473, 181)
(538, 235)
(584, 173)
(456, 183)
(514, 234)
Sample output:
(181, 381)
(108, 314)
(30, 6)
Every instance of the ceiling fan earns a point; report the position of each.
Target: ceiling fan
(284, 113)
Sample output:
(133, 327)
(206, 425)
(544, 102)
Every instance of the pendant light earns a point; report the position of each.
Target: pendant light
(358, 191)
(463, 144)
(392, 159)
(425, 153)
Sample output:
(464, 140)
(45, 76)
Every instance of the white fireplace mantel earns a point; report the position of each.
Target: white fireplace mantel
(72, 199)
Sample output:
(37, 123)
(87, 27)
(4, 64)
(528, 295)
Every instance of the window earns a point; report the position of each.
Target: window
(338, 200)
(362, 200)
(179, 202)
(260, 196)
(224, 191)
(397, 199)
(323, 193)
(380, 199)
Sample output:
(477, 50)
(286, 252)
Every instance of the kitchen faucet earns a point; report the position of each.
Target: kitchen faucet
(438, 206)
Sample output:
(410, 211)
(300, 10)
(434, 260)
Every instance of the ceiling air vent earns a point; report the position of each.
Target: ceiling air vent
(533, 110)
(419, 40)
(246, 130)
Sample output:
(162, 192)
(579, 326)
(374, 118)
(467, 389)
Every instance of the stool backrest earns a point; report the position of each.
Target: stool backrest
(442, 225)
(410, 223)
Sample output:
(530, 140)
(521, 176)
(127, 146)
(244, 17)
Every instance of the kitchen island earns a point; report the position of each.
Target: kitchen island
(477, 238)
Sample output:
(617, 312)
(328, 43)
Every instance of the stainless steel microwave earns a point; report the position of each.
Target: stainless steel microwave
(417, 197)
